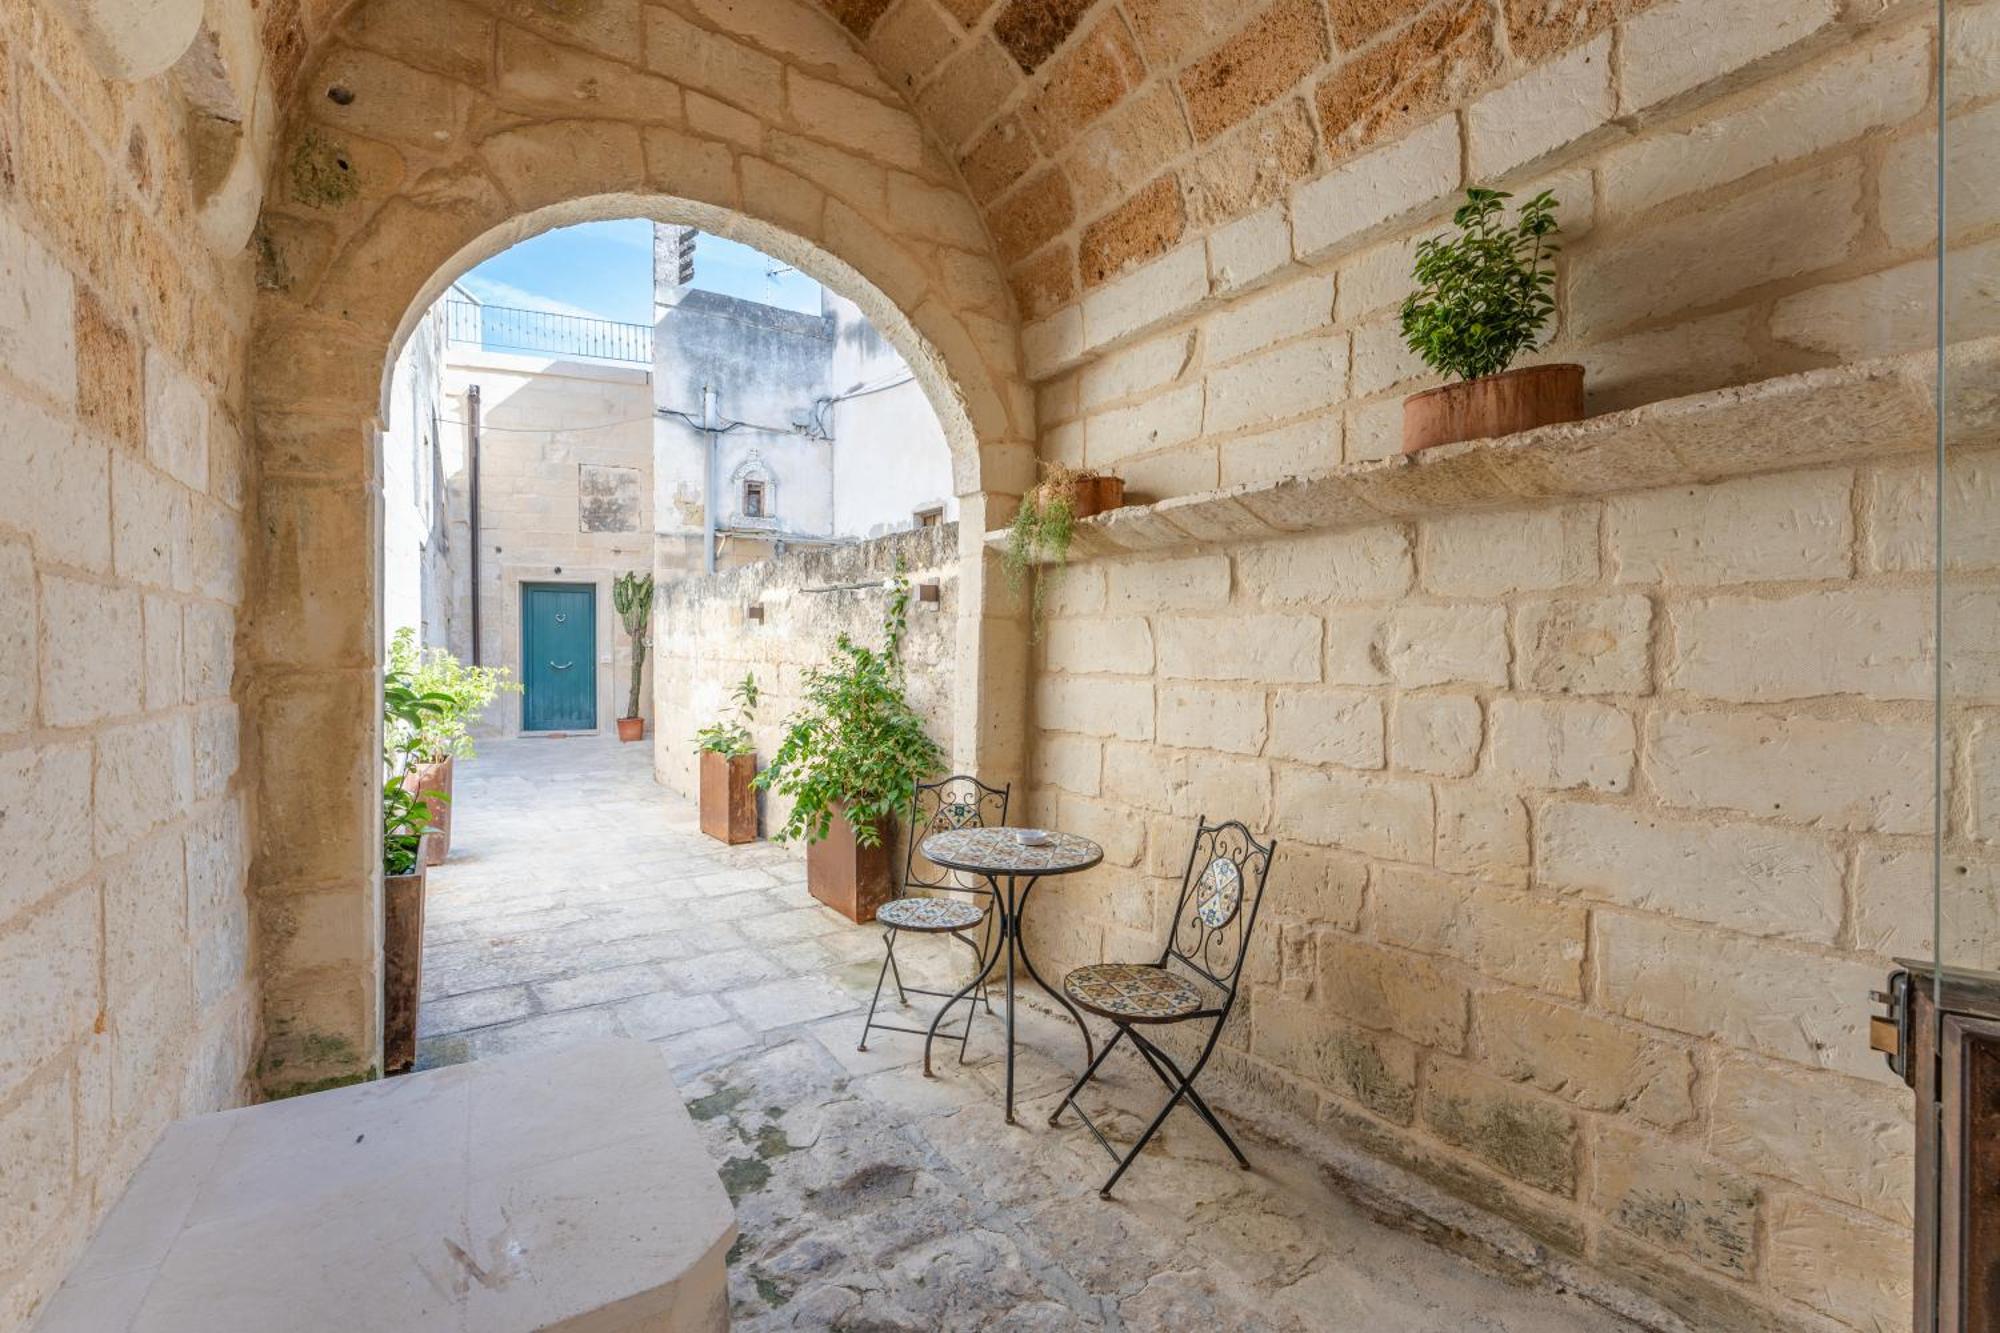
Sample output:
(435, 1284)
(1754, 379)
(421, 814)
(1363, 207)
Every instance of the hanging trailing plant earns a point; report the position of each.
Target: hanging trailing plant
(1045, 525)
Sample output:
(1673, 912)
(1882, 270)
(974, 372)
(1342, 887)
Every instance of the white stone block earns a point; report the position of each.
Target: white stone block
(1584, 645)
(1186, 584)
(1135, 370)
(58, 486)
(1490, 555)
(1674, 47)
(1795, 525)
(1197, 717)
(93, 651)
(19, 638)
(1436, 733)
(1803, 1126)
(1902, 503)
(41, 788)
(176, 422)
(37, 314)
(1340, 727)
(1766, 881)
(1255, 322)
(1848, 773)
(51, 964)
(1286, 381)
(1174, 284)
(1563, 743)
(1786, 1003)
(37, 1162)
(1444, 645)
(1159, 422)
(152, 539)
(1093, 706)
(1482, 830)
(1346, 203)
(1270, 647)
(1387, 817)
(162, 617)
(1365, 565)
(1249, 249)
(1553, 104)
(209, 644)
(1866, 641)
(145, 777)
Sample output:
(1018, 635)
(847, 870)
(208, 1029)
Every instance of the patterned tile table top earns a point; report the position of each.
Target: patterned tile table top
(1000, 851)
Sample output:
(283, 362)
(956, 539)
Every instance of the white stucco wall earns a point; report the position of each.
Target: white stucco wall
(416, 589)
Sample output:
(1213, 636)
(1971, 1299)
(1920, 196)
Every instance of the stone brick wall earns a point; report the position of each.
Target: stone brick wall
(126, 996)
(1598, 823)
(703, 641)
(1738, 199)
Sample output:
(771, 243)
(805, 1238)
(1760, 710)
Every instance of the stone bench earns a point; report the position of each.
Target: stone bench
(562, 1191)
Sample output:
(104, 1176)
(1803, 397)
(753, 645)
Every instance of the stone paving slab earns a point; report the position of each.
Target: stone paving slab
(871, 1199)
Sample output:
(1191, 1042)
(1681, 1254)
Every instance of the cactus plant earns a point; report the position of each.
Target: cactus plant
(632, 597)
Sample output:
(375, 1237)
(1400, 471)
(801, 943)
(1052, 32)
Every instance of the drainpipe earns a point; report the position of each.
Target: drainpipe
(472, 488)
(711, 462)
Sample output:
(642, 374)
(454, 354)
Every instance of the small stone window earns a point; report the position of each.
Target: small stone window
(930, 518)
(753, 500)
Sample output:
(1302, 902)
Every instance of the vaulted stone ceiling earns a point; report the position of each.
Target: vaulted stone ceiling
(1095, 136)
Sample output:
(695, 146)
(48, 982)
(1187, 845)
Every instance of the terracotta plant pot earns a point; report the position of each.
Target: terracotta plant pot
(1493, 405)
(402, 968)
(728, 805)
(425, 779)
(851, 879)
(631, 728)
(1094, 495)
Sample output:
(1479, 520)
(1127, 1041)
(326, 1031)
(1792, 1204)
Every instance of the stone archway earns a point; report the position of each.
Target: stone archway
(418, 146)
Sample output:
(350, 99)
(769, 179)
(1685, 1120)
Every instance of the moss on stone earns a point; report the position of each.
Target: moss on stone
(744, 1175)
(322, 173)
(718, 1103)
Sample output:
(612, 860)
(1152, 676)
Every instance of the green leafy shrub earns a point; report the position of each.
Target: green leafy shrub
(461, 694)
(632, 598)
(854, 739)
(407, 710)
(1485, 294)
(406, 818)
(732, 738)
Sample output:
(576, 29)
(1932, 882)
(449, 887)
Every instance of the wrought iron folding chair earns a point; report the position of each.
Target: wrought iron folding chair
(1196, 978)
(960, 801)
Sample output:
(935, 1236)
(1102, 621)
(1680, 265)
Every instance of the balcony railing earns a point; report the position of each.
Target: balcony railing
(506, 328)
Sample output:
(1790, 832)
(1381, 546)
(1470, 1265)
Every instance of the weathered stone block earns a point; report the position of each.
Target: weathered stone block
(1392, 991)
(1752, 994)
(1158, 422)
(559, 160)
(92, 651)
(1903, 502)
(1482, 830)
(1186, 584)
(1762, 880)
(1132, 371)
(1672, 48)
(162, 668)
(152, 539)
(1253, 68)
(1584, 645)
(1345, 204)
(19, 638)
(1528, 1138)
(1200, 718)
(1287, 381)
(1123, 646)
(1860, 640)
(1853, 774)
(1256, 322)
(1171, 285)
(1375, 1069)
(145, 777)
(1327, 727)
(1853, 1269)
(1490, 555)
(1271, 647)
(1317, 884)
(1675, 1200)
(41, 788)
(216, 749)
(145, 917)
(1803, 1126)
(1444, 645)
(1552, 105)
(1436, 733)
(1386, 817)
(1790, 526)
(37, 1163)
(37, 313)
(1563, 743)
(1529, 941)
(1366, 565)
(59, 491)
(1094, 707)
(1584, 1057)
(51, 961)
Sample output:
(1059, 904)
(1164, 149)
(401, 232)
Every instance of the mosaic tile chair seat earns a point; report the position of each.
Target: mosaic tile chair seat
(1194, 980)
(956, 802)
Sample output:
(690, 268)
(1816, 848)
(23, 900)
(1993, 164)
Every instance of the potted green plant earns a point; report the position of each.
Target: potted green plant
(443, 735)
(1483, 298)
(850, 760)
(632, 598)
(728, 764)
(1045, 524)
(406, 825)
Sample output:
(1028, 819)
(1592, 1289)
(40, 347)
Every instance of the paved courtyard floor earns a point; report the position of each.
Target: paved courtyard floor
(580, 901)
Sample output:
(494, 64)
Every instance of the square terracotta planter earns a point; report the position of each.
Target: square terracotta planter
(851, 879)
(728, 805)
(402, 968)
(425, 780)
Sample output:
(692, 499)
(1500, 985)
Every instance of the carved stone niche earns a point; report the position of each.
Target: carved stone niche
(225, 146)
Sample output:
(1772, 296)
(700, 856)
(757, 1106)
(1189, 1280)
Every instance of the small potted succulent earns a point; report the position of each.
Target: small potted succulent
(406, 826)
(632, 598)
(1045, 524)
(728, 764)
(442, 735)
(1483, 298)
(850, 760)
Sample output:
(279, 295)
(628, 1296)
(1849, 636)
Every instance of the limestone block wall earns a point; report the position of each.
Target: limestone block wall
(1738, 199)
(704, 641)
(126, 991)
(1598, 823)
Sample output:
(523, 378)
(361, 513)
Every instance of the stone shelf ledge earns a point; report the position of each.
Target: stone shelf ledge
(1844, 414)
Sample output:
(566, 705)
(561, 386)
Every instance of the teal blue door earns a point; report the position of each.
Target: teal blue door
(558, 657)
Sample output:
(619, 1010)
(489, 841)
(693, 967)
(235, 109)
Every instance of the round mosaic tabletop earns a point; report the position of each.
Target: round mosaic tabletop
(1000, 851)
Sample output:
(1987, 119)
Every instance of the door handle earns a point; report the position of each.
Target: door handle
(562, 666)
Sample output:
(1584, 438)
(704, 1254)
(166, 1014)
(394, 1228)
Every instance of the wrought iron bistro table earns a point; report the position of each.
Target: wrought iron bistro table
(1001, 858)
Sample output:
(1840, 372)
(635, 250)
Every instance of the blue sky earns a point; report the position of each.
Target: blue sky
(606, 269)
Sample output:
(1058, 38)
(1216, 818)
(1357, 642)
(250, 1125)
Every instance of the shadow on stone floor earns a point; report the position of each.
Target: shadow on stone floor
(581, 901)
